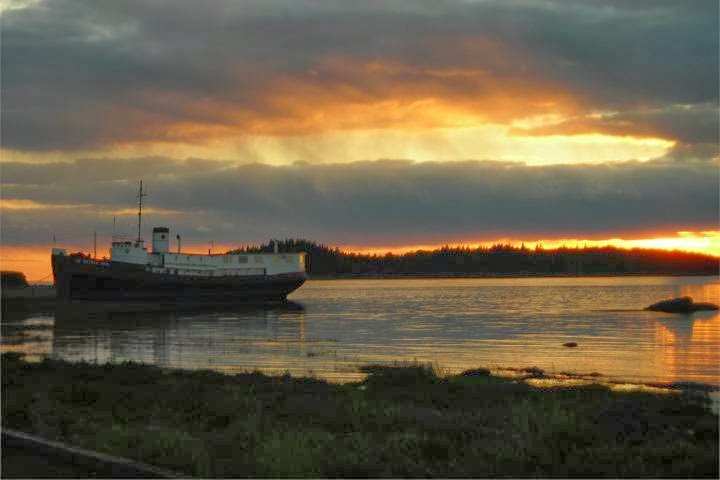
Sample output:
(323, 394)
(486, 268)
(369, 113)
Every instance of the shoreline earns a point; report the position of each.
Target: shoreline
(401, 421)
(343, 276)
(393, 276)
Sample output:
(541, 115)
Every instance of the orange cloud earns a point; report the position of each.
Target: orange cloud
(348, 109)
(696, 123)
(472, 97)
(24, 204)
(337, 93)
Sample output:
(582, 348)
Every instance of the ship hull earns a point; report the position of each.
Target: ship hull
(86, 280)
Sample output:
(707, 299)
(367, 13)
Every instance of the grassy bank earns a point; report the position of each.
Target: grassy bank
(400, 422)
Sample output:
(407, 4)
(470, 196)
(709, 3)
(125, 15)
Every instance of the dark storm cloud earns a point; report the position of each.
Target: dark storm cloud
(100, 170)
(91, 73)
(368, 203)
(689, 124)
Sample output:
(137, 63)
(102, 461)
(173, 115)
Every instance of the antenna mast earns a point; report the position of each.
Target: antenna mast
(140, 196)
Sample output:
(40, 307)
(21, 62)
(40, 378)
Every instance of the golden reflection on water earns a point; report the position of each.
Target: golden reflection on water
(564, 382)
(707, 292)
(452, 324)
(26, 333)
(690, 342)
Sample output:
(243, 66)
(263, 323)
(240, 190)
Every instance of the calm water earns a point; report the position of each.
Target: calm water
(335, 326)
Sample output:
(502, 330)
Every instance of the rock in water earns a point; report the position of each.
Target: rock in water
(570, 344)
(680, 305)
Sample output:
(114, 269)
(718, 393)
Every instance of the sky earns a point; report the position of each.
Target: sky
(369, 125)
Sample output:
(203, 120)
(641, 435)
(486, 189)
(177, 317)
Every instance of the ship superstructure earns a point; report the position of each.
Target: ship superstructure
(133, 273)
(161, 261)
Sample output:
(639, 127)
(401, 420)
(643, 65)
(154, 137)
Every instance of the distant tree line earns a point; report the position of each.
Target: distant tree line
(9, 279)
(497, 259)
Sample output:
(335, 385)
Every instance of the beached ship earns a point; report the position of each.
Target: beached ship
(134, 274)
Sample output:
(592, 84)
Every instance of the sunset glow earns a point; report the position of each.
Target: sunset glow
(411, 198)
(35, 261)
(393, 126)
(460, 142)
(707, 243)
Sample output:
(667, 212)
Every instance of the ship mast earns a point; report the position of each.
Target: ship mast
(140, 196)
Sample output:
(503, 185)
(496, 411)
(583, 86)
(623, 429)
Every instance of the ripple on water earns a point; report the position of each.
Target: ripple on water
(454, 324)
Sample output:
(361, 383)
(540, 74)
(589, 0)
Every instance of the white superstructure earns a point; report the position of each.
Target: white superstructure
(161, 240)
(161, 260)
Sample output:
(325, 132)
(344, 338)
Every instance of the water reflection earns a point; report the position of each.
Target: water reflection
(27, 331)
(182, 339)
(454, 324)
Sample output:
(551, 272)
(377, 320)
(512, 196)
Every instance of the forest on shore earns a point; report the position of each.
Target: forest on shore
(495, 260)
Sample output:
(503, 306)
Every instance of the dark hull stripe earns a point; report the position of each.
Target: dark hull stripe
(116, 281)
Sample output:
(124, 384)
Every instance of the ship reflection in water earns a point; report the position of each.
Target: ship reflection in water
(232, 340)
(456, 324)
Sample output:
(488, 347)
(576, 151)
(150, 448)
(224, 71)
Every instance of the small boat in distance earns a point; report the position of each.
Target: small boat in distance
(134, 274)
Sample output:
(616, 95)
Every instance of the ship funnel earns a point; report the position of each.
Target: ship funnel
(161, 240)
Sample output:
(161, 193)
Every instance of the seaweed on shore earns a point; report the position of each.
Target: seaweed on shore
(399, 422)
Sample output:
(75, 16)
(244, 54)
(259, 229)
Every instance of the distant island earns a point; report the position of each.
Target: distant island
(498, 259)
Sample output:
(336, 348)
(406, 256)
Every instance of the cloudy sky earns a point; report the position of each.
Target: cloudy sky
(371, 125)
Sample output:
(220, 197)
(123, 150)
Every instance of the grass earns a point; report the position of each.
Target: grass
(400, 422)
